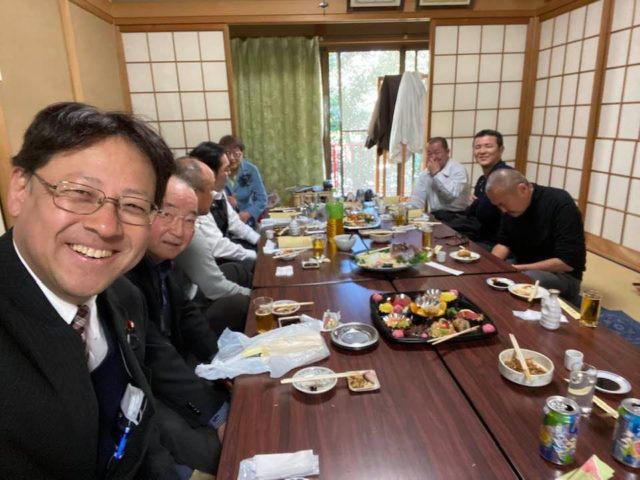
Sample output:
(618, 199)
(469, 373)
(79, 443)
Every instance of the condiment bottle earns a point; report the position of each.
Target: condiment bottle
(551, 311)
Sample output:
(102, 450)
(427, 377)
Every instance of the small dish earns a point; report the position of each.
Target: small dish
(381, 237)
(315, 387)
(609, 382)
(514, 376)
(500, 283)
(345, 242)
(284, 307)
(473, 256)
(355, 336)
(522, 290)
(366, 382)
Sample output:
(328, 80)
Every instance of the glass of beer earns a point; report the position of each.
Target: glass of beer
(427, 233)
(400, 215)
(590, 308)
(317, 242)
(262, 307)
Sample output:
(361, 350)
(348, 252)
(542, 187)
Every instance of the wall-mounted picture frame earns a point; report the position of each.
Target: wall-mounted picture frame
(442, 3)
(359, 5)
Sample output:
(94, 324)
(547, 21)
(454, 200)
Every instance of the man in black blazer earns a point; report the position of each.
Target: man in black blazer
(169, 296)
(82, 193)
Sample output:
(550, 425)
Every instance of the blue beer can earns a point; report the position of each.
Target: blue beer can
(559, 430)
(626, 436)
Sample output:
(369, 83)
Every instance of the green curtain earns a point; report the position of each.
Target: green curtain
(278, 92)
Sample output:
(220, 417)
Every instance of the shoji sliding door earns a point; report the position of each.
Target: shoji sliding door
(613, 204)
(476, 84)
(179, 82)
(563, 93)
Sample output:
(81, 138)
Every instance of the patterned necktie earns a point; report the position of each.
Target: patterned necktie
(79, 323)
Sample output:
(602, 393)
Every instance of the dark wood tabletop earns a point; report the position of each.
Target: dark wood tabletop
(340, 268)
(513, 413)
(418, 425)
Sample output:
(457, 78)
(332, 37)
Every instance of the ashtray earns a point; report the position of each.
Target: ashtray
(354, 336)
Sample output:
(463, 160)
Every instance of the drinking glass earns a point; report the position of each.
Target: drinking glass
(262, 307)
(318, 246)
(590, 308)
(582, 383)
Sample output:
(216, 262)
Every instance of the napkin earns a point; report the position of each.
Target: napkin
(294, 242)
(534, 315)
(437, 266)
(284, 271)
(269, 247)
(279, 465)
(592, 469)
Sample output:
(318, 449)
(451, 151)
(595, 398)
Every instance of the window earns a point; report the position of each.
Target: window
(354, 78)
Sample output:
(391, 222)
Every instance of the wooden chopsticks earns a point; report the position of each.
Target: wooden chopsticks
(520, 356)
(534, 292)
(327, 376)
(569, 310)
(436, 341)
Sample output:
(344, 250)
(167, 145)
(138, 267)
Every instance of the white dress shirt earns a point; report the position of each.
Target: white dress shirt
(199, 263)
(94, 334)
(224, 247)
(448, 189)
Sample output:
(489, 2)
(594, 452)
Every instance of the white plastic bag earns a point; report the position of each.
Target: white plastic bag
(277, 351)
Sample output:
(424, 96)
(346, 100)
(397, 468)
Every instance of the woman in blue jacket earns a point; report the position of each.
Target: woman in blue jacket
(245, 190)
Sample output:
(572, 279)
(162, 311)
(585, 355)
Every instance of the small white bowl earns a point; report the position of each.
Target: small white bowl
(518, 377)
(381, 237)
(316, 387)
(345, 242)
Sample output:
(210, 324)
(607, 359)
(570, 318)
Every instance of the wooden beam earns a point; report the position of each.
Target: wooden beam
(614, 252)
(72, 53)
(100, 8)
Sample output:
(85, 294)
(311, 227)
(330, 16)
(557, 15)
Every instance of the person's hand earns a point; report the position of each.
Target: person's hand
(221, 430)
(433, 167)
(232, 200)
(244, 216)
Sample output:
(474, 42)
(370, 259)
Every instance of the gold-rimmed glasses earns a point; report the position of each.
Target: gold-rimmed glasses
(169, 218)
(84, 200)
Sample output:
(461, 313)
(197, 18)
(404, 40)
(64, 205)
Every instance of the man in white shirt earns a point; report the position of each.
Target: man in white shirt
(444, 184)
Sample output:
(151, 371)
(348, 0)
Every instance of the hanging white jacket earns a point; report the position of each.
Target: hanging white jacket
(408, 117)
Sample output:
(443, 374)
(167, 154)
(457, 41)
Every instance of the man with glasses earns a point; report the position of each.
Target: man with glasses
(75, 400)
(193, 441)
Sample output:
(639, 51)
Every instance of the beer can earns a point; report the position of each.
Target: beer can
(626, 436)
(559, 430)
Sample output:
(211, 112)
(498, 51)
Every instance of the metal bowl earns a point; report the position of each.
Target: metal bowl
(355, 336)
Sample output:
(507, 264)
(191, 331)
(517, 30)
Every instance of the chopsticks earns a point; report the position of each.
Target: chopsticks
(572, 312)
(327, 376)
(523, 363)
(534, 292)
(294, 304)
(436, 341)
(379, 249)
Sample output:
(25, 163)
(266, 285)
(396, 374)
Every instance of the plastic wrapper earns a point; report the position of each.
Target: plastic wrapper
(277, 352)
(280, 465)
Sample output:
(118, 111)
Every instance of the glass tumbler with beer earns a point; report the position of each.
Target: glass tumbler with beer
(317, 242)
(590, 308)
(427, 233)
(263, 309)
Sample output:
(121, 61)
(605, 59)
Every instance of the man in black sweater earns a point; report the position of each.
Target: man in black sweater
(542, 227)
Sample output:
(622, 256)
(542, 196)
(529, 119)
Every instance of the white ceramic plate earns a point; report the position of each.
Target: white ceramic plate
(289, 310)
(522, 290)
(318, 386)
(518, 377)
(491, 281)
(472, 258)
(622, 384)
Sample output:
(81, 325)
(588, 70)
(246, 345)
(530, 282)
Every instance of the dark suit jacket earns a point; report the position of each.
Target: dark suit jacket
(176, 384)
(48, 408)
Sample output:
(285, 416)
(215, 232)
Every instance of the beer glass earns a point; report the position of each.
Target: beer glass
(590, 308)
(262, 307)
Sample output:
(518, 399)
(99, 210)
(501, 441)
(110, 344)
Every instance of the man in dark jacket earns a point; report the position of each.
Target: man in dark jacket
(192, 442)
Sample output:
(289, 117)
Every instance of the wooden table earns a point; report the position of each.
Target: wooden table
(512, 412)
(418, 425)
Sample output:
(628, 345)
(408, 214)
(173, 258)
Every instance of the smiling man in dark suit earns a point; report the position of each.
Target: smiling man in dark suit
(75, 401)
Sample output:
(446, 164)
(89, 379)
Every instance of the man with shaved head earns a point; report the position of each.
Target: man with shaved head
(542, 227)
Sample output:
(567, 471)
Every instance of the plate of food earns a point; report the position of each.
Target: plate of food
(421, 317)
(465, 256)
(314, 387)
(365, 381)
(355, 221)
(500, 283)
(396, 257)
(523, 290)
(284, 307)
(540, 368)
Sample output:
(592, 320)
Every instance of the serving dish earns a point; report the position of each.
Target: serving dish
(354, 336)
(317, 386)
(500, 283)
(363, 382)
(421, 317)
(396, 257)
(356, 221)
(523, 290)
(381, 237)
(515, 376)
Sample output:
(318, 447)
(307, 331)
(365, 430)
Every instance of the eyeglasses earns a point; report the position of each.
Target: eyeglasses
(168, 218)
(85, 200)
